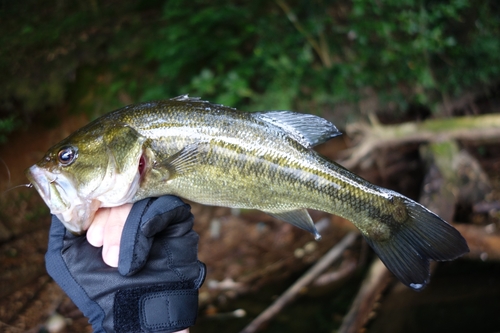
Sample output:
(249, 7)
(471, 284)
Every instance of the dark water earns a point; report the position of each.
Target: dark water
(464, 296)
(321, 313)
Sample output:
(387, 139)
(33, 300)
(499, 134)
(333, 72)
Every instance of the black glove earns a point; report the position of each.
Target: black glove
(154, 289)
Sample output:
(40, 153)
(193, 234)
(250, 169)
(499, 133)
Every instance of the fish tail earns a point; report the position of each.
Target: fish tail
(422, 237)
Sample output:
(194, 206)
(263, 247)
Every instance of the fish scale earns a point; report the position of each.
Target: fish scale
(217, 155)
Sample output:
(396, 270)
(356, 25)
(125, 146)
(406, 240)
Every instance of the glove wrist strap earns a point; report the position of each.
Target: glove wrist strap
(159, 308)
(170, 310)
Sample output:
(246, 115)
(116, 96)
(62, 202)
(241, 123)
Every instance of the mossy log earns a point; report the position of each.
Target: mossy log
(368, 139)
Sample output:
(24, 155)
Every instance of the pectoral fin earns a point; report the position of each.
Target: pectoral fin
(299, 218)
(183, 161)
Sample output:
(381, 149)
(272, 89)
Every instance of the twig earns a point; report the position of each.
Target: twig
(483, 241)
(368, 294)
(347, 267)
(291, 293)
(321, 50)
(483, 207)
(8, 171)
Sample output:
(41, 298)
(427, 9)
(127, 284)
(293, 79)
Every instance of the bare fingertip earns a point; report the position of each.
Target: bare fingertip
(111, 256)
(95, 235)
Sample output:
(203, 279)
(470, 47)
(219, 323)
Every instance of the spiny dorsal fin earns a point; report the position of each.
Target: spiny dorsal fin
(186, 98)
(307, 129)
(197, 101)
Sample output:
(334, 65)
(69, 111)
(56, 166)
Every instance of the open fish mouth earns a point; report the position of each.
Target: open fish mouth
(59, 194)
(48, 186)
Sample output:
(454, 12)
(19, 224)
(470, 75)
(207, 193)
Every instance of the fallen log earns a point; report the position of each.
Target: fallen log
(368, 139)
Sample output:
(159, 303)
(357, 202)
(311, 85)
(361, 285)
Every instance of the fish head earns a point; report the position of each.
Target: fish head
(97, 166)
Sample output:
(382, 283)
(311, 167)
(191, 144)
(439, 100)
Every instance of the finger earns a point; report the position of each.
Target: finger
(112, 234)
(95, 234)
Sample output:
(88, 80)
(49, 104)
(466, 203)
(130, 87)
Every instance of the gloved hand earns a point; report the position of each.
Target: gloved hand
(154, 288)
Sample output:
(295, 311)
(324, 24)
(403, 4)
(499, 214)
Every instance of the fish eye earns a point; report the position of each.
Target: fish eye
(67, 155)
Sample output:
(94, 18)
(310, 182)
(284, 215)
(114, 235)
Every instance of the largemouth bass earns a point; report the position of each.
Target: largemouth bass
(216, 155)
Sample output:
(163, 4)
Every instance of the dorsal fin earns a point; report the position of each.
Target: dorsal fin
(198, 101)
(187, 98)
(309, 130)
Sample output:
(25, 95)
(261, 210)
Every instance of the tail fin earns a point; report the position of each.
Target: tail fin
(425, 237)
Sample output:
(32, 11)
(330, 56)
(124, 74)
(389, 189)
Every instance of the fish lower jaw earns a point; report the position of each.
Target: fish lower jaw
(121, 193)
(79, 216)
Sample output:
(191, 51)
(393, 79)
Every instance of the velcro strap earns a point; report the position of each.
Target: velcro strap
(168, 310)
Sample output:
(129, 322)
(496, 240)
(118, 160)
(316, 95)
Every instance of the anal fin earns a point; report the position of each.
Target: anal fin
(299, 218)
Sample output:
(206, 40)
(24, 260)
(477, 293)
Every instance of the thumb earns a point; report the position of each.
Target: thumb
(134, 245)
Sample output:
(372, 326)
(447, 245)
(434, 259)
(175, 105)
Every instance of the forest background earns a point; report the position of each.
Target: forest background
(338, 59)
(63, 63)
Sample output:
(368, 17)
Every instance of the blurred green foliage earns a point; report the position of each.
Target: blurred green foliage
(309, 55)
(7, 125)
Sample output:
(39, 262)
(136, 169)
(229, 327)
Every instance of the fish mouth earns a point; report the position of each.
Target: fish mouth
(46, 183)
(60, 195)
